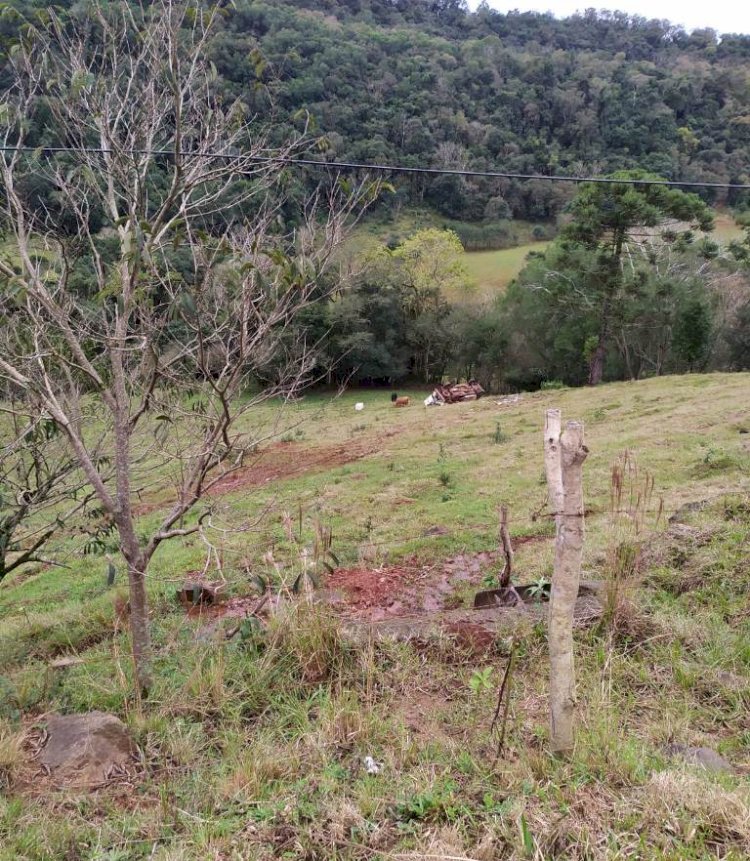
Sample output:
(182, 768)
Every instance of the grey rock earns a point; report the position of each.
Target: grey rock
(705, 757)
(87, 749)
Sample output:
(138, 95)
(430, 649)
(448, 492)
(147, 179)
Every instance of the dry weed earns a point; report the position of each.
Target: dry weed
(11, 755)
(691, 806)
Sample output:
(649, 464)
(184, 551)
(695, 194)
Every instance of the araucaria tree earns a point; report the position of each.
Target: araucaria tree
(600, 286)
(604, 219)
(155, 272)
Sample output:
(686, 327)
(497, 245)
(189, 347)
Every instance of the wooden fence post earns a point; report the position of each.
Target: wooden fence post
(553, 462)
(569, 452)
(507, 572)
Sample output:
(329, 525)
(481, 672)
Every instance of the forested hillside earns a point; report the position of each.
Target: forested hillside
(431, 84)
(428, 83)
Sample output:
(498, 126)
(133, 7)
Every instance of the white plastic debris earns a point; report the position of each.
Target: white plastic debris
(371, 767)
(509, 400)
(359, 406)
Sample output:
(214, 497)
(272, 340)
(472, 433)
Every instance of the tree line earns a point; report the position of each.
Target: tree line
(429, 83)
(633, 286)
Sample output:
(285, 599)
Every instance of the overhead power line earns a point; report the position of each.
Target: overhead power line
(389, 168)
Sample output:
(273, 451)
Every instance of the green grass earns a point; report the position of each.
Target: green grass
(492, 271)
(397, 227)
(489, 272)
(726, 228)
(254, 748)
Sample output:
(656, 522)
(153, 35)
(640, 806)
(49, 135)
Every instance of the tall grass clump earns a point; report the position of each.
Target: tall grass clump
(634, 514)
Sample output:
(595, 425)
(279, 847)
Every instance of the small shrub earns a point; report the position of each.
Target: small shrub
(309, 642)
(549, 385)
(498, 436)
(631, 522)
(11, 756)
(481, 680)
(715, 460)
(737, 509)
(437, 803)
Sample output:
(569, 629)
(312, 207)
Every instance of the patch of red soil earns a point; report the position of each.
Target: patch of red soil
(279, 461)
(287, 460)
(407, 589)
(375, 593)
(474, 638)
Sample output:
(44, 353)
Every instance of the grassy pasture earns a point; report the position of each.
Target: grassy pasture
(492, 271)
(489, 272)
(254, 747)
(726, 228)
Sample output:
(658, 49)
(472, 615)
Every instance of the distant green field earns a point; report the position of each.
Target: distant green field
(726, 228)
(374, 232)
(492, 271)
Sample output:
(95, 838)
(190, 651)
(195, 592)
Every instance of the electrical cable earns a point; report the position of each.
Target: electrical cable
(388, 168)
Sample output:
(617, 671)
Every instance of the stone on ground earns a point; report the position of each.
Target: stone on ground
(87, 749)
(705, 757)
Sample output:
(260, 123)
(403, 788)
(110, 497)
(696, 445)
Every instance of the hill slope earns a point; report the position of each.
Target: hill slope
(254, 746)
(432, 84)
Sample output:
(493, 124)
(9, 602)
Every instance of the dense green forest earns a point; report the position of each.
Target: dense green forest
(429, 83)
(432, 84)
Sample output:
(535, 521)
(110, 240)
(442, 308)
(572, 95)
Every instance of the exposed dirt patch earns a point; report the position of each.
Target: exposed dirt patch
(282, 460)
(410, 599)
(413, 600)
(289, 459)
(410, 588)
(403, 590)
(471, 636)
(423, 714)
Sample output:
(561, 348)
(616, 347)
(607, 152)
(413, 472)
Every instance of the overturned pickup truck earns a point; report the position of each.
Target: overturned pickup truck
(455, 394)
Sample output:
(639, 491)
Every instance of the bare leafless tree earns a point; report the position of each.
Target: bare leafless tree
(41, 487)
(191, 278)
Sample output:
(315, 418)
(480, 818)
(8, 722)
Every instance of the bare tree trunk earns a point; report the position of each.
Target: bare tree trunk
(565, 580)
(140, 631)
(596, 367)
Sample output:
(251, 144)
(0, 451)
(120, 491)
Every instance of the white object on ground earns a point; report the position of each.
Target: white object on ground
(430, 401)
(359, 406)
(371, 767)
(509, 400)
